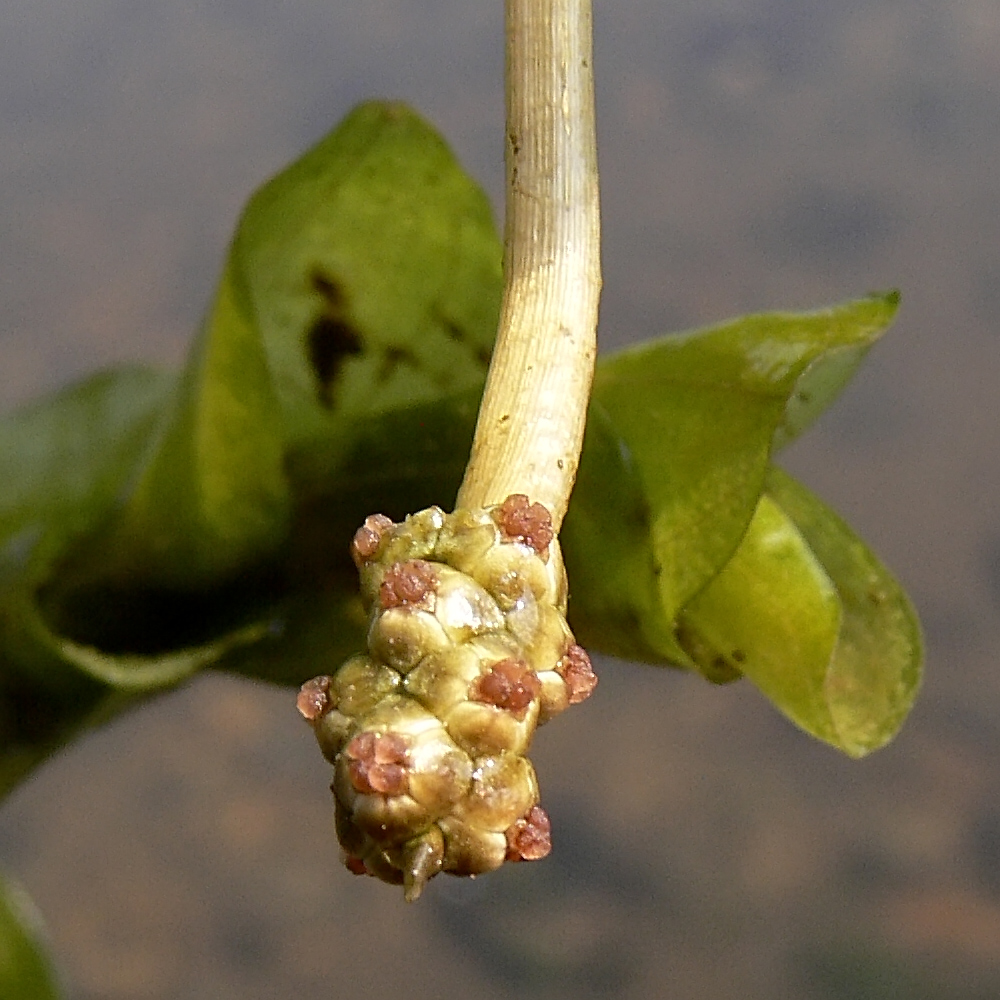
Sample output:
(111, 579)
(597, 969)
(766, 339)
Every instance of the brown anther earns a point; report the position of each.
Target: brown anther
(377, 763)
(407, 583)
(356, 866)
(522, 521)
(577, 671)
(530, 837)
(314, 699)
(510, 685)
(368, 537)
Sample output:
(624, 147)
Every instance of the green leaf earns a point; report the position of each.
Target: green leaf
(372, 270)
(64, 465)
(213, 495)
(362, 279)
(827, 376)
(692, 420)
(26, 972)
(877, 667)
(814, 620)
(614, 602)
(64, 460)
(773, 614)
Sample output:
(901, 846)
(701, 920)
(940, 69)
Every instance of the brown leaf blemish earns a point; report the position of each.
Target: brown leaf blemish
(331, 339)
(331, 343)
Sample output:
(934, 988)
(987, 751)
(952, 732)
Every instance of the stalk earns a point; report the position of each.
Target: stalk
(531, 420)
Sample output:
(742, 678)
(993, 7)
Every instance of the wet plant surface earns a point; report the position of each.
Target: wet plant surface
(784, 154)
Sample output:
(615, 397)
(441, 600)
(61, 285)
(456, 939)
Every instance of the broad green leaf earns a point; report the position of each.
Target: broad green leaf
(826, 377)
(614, 602)
(364, 278)
(26, 972)
(808, 614)
(873, 679)
(213, 496)
(773, 614)
(64, 465)
(694, 418)
(64, 460)
(372, 271)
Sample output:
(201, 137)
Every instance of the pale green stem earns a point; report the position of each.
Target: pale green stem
(532, 417)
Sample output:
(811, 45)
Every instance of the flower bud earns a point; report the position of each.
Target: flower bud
(468, 652)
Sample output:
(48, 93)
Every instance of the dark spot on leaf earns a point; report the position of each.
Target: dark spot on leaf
(454, 331)
(392, 359)
(721, 671)
(331, 341)
(739, 656)
(332, 338)
(331, 292)
(483, 355)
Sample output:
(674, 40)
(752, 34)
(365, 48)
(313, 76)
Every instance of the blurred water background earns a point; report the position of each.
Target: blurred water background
(755, 154)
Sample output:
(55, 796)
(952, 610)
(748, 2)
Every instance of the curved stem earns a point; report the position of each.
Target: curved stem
(534, 408)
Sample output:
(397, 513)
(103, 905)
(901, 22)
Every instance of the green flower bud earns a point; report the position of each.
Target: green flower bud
(463, 608)
(360, 684)
(514, 573)
(501, 711)
(465, 539)
(541, 632)
(415, 538)
(441, 681)
(402, 637)
(469, 850)
(503, 789)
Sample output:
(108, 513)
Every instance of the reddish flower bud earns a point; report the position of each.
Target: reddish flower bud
(577, 671)
(368, 538)
(522, 521)
(314, 698)
(530, 837)
(407, 583)
(510, 685)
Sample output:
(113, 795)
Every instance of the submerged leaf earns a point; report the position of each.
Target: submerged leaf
(825, 378)
(693, 419)
(772, 614)
(363, 278)
(808, 614)
(65, 460)
(26, 972)
(371, 269)
(873, 679)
